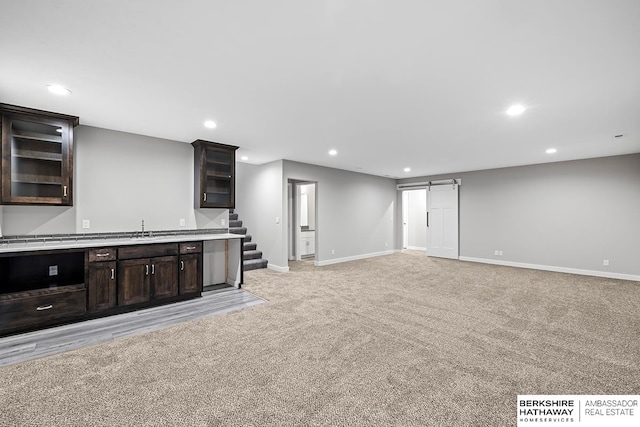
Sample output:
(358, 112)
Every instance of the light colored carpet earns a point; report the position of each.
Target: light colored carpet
(396, 340)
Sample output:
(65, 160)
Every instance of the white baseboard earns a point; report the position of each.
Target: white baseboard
(353, 258)
(277, 268)
(416, 248)
(554, 268)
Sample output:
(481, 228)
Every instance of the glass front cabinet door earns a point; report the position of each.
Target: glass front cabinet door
(37, 156)
(214, 174)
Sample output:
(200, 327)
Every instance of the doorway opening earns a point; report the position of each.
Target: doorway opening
(414, 219)
(302, 224)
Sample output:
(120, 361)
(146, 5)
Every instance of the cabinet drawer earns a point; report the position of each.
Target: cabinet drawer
(102, 254)
(32, 308)
(147, 251)
(191, 248)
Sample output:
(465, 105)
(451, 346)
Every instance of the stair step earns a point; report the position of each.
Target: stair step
(231, 211)
(249, 246)
(234, 223)
(233, 216)
(254, 254)
(247, 238)
(254, 264)
(238, 230)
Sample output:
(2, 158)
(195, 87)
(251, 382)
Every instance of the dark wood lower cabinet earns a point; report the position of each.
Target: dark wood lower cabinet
(41, 306)
(101, 286)
(134, 283)
(164, 277)
(141, 280)
(190, 278)
(42, 288)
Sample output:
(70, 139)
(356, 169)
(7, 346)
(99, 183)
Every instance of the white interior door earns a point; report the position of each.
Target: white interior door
(442, 221)
(405, 219)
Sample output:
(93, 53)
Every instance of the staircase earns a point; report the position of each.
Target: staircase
(251, 256)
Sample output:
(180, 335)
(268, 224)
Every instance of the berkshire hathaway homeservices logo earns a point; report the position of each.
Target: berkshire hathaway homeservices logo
(581, 410)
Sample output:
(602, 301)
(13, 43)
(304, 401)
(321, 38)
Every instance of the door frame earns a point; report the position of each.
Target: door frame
(293, 209)
(402, 188)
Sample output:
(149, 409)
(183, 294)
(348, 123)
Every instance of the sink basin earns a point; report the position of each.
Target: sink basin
(145, 237)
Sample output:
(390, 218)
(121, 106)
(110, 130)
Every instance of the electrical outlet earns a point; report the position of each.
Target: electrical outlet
(605, 263)
(182, 222)
(86, 223)
(496, 252)
(53, 270)
(386, 244)
(500, 253)
(333, 251)
(223, 221)
(277, 220)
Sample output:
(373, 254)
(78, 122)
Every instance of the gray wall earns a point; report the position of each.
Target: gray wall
(119, 180)
(570, 214)
(355, 212)
(259, 200)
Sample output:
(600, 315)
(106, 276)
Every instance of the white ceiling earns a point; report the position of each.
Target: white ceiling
(389, 84)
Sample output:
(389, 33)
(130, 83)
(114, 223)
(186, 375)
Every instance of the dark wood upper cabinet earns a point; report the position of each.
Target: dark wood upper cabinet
(214, 174)
(37, 156)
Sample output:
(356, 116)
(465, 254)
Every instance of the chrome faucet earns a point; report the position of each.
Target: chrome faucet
(148, 233)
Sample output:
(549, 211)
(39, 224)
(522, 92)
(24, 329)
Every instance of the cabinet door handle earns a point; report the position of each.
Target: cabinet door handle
(113, 273)
(153, 269)
(146, 267)
(204, 195)
(64, 191)
(181, 265)
(44, 307)
(101, 255)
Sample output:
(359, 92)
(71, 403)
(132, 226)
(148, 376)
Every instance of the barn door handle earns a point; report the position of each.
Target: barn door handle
(427, 219)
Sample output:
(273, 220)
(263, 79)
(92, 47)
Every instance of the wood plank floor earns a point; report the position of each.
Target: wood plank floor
(36, 344)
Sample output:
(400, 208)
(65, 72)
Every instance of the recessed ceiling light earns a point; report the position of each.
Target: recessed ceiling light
(551, 150)
(210, 124)
(516, 110)
(333, 152)
(244, 158)
(58, 90)
(407, 169)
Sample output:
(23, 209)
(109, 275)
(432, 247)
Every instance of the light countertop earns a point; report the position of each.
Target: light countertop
(80, 243)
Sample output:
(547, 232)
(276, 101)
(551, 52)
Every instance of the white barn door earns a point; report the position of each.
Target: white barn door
(442, 221)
